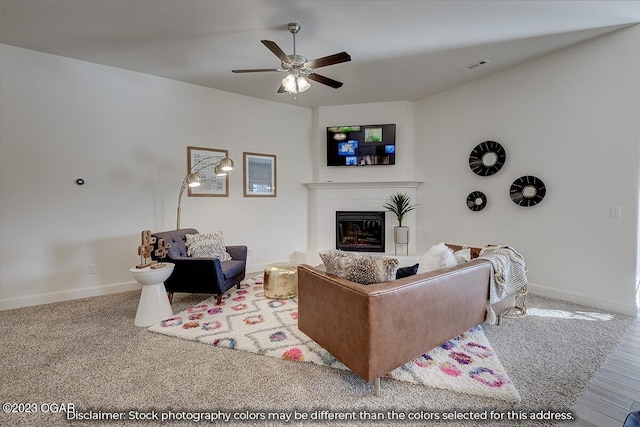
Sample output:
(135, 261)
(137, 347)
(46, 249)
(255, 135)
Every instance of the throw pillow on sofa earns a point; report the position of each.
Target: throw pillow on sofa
(363, 269)
(207, 245)
(438, 256)
(463, 255)
(407, 271)
(330, 260)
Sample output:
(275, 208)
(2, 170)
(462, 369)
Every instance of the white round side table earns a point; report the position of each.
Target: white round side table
(154, 304)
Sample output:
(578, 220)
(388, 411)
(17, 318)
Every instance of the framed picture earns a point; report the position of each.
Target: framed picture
(202, 161)
(259, 175)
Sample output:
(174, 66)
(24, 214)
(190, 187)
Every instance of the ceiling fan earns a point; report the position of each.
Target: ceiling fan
(299, 68)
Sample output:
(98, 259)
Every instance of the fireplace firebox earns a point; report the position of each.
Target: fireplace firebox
(360, 231)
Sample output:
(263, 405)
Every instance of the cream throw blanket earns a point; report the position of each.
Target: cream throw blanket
(509, 274)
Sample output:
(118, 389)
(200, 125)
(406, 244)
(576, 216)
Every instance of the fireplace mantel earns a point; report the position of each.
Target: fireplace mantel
(368, 184)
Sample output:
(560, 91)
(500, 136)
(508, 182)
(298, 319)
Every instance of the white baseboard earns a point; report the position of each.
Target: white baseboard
(255, 269)
(67, 295)
(603, 304)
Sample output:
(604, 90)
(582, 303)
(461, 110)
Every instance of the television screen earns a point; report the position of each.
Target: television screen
(347, 148)
(361, 145)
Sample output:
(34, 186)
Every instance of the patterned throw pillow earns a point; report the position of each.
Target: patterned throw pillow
(363, 269)
(207, 245)
(331, 258)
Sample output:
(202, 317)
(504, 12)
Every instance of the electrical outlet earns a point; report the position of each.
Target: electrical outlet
(615, 212)
(92, 269)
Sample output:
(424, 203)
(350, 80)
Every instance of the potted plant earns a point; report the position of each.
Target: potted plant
(400, 204)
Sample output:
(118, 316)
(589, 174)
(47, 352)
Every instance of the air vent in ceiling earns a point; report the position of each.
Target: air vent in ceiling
(473, 66)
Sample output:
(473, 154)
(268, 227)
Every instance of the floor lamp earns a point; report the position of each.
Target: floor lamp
(192, 179)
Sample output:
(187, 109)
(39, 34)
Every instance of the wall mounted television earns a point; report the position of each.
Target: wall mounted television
(361, 145)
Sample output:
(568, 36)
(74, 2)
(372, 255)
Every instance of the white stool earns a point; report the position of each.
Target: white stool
(154, 304)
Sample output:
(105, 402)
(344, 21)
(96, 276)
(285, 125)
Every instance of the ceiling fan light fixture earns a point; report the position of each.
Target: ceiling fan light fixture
(295, 84)
(303, 84)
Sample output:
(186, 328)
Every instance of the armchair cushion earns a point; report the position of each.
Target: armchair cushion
(232, 268)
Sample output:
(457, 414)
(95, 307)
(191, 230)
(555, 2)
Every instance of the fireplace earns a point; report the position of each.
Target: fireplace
(361, 231)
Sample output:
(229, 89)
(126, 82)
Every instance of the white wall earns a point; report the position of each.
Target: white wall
(571, 119)
(126, 134)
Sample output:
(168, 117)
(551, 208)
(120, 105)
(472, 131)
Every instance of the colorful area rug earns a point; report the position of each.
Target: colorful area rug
(248, 321)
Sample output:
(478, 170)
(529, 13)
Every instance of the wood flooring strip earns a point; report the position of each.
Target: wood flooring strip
(602, 394)
(596, 418)
(621, 363)
(623, 379)
(615, 390)
(605, 408)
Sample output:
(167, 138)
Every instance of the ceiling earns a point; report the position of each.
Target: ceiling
(400, 50)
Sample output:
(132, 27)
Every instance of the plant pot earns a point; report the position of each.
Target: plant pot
(401, 235)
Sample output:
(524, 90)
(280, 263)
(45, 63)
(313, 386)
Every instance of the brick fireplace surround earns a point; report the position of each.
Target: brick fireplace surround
(325, 198)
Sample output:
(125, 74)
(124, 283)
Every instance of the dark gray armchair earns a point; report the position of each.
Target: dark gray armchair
(201, 275)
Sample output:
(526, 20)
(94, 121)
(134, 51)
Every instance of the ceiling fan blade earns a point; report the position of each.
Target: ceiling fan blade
(273, 47)
(336, 58)
(257, 70)
(325, 80)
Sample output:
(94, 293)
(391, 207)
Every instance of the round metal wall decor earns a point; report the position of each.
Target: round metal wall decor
(487, 158)
(476, 201)
(527, 191)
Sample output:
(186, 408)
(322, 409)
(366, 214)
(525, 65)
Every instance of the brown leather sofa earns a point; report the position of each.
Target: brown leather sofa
(373, 329)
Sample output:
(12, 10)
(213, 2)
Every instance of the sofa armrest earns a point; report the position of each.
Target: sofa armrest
(333, 312)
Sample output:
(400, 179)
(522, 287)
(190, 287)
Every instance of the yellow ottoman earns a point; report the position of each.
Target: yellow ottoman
(280, 281)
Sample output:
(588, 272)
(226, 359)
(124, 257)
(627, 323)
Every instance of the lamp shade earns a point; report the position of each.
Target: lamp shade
(219, 170)
(226, 164)
(193, 180)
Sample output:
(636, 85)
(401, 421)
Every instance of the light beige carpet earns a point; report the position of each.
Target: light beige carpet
(89, 353)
